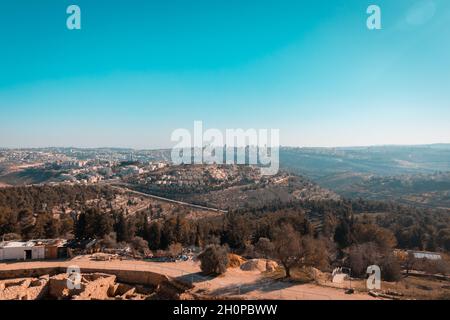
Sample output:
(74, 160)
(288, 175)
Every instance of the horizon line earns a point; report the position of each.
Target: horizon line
(281, 146)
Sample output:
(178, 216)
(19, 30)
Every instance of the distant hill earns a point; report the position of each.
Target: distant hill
(229, 187)
(382, 160)
(415, 175)
(425, 190)
(29, 176)
(252, 196)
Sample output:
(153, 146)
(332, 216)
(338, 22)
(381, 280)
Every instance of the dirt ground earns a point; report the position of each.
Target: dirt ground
(235, 282)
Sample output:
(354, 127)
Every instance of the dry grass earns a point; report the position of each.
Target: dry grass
(420, 288)
(411, 287)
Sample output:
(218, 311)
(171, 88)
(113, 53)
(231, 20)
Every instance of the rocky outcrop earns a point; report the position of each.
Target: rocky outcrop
(261, 265)
(234, 260)
(271, 265)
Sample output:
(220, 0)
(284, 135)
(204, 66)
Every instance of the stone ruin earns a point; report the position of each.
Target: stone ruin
(94, 286)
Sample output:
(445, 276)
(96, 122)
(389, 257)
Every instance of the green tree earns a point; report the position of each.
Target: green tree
(121, 228)
(154, 236)
(343, 234)
(80, 226)
(287, 247)
(214, 260)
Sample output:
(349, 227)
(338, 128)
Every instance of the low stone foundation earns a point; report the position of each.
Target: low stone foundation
(51, 283)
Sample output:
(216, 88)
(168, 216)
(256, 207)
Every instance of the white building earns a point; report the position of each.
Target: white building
(14, 250)
(131, 170)
(426, 255)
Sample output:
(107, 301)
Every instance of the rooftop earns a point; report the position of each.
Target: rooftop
(31, 243)
(16, 244)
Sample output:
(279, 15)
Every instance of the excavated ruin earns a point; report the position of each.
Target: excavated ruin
(93, 286)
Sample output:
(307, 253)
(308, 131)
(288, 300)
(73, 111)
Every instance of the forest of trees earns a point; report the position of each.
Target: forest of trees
(26, 212)
(40, 198)
(320, 234)
(349, 234)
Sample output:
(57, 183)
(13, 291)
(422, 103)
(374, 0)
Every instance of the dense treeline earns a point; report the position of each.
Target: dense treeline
(26, 212)
(414, 228)
(286, 235)
(322, 234)
(37, 198)
(348, 233)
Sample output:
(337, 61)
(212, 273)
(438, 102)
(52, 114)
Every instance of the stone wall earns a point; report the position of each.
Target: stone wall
(147, 278)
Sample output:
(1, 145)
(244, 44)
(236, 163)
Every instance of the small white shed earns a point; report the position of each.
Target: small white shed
(15, 250)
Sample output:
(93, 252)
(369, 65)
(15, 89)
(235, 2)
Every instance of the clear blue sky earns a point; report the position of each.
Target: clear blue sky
(140, 69)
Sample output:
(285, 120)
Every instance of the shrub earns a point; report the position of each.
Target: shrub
(175, 249)
(360, 257)
(139, 244)
(264, 247)
(214, 260)
(109, 241)
(390, 268)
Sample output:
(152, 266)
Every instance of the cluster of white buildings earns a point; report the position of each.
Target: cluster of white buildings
(199, 175)
(94, 172)
(24, 157)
